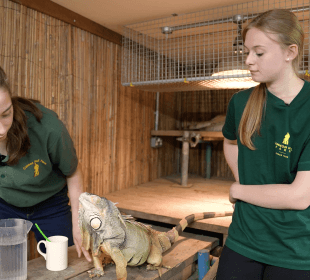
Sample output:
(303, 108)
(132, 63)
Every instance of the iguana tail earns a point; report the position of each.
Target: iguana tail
(174, 234)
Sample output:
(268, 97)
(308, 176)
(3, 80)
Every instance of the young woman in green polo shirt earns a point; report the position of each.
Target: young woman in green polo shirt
(267, 146)
(38, 166)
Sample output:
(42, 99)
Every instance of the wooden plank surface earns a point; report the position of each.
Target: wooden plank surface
(217, 134)
(164, 200)
(37, 270)
(179, 257)
(213, 138)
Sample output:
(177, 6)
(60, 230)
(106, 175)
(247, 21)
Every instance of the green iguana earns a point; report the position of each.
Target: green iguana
(115, 237)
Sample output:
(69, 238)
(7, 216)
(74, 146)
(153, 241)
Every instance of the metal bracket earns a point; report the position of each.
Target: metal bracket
(194, 139)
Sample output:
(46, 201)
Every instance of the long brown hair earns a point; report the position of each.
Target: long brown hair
(285, 25)
(18, 142)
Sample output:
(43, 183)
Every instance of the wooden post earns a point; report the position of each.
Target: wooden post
(185, 157)
(203, 263)
(212, 272)
(208, 159)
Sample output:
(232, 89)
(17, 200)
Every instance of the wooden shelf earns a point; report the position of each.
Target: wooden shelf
(165, 200)
(204, 134)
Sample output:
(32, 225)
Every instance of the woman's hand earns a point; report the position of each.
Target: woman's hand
(77, 239)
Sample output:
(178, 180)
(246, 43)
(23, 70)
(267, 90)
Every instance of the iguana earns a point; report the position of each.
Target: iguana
(124, 241)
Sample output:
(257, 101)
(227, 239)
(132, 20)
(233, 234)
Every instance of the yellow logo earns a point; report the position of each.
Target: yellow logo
(36, 170)
(36, 166)
(286, 139)
(283, 150)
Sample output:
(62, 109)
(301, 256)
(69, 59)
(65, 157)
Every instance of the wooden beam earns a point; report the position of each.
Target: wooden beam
(185, 158)
(59, 12)
(217, 134)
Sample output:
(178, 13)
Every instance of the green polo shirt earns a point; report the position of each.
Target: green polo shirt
(276, 237)
(42, 172)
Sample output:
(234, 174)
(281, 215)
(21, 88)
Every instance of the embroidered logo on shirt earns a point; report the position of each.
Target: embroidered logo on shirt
(36, 166)
(36, 170)
(286, 139)
(283, 150)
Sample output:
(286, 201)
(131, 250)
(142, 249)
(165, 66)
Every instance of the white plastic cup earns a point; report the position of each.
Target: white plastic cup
(56, 252)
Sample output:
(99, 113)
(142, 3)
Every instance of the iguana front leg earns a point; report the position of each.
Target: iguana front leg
(98, 263)
(98, 270)
(119, 260)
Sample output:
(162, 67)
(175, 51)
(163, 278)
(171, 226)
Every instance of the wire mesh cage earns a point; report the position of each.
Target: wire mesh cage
(199, 51)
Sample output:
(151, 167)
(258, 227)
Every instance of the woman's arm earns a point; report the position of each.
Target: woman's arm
(295, 196)
(231, 156)
(75, 187)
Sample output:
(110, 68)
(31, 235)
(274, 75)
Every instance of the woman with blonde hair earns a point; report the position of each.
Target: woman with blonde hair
(267, 146)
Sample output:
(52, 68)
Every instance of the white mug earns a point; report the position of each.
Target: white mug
(56, 252)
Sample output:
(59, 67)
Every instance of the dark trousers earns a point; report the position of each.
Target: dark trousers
(235, 266)
(53, 216)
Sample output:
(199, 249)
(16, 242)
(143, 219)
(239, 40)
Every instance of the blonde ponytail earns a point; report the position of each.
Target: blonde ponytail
(253, 113)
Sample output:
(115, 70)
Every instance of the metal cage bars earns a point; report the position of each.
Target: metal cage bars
(184, 52)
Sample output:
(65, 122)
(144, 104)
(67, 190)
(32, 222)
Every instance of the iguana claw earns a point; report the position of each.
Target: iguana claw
(153, 267)
(95, 272)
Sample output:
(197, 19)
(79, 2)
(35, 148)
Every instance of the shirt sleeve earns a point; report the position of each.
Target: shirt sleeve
(229, 128)
(61, 151)
(304, 160)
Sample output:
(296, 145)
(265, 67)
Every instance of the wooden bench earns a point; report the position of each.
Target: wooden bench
(180, 257)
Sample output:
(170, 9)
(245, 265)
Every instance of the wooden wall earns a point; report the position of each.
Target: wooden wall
(202, 106)
(77, 74)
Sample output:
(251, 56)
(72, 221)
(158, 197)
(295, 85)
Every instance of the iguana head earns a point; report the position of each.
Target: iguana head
(99, 219)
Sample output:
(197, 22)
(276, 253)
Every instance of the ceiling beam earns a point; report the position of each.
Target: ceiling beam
(59, 12)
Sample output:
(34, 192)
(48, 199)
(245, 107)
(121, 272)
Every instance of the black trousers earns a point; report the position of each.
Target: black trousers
(235, 266)
(52, 215)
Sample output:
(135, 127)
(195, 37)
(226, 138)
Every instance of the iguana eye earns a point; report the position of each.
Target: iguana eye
(95, 223)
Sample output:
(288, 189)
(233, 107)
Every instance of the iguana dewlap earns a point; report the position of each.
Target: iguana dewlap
(110, 235)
